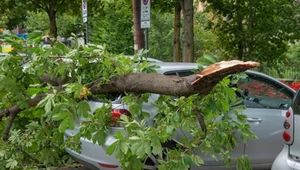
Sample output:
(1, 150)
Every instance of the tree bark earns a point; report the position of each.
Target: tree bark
(139, 38)
(177, 25)
(188, 32)
(53, 26)
(201, 82)
(240, 29)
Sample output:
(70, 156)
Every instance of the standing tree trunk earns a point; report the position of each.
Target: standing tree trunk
(188, 32)
(250, 43)
(139, 38)
(53, 27)
(177, 25)
(240, 29)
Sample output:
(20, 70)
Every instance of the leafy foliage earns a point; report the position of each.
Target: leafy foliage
(206, 41)
(117, 36)
(67, 24)
(256, 30)
(161, 36)
(37, 134)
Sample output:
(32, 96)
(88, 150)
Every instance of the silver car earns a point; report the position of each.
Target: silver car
(266, 100)
(289, 157)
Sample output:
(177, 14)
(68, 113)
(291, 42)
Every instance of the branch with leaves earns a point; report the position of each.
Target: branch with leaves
(44, 99)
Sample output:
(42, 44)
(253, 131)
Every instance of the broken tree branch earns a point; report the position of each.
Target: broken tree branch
(202, 83)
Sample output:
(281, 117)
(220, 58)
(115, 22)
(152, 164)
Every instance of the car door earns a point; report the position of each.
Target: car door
(266, 101)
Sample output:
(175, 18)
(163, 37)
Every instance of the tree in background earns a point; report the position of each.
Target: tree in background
(66, 23)
(161, 36)
(11, 14)
(117, 36)
(35, 21)
(188, 30)
(52, 8)
(206, 41)
(164, 34)
(138, 34)
(255, 30)
(186, 7)
(177, 28)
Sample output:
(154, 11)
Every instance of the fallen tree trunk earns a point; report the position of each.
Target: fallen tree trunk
(201, 82)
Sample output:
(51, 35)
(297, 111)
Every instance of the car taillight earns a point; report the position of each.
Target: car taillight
(286, 124)
(286, 136)
(288, 127)
(288, 114)
(116, 114)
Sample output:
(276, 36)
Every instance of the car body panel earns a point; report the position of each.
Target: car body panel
(94, 153)
(289, 157)
(268, 129)
(267, 101)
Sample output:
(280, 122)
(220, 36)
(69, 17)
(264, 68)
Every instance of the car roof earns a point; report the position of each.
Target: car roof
(173, 66)
(177, 66)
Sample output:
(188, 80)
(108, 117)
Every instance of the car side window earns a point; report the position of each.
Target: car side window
(259, 92)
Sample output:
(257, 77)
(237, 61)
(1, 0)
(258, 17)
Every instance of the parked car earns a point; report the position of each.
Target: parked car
(266, 100)
(289, 157)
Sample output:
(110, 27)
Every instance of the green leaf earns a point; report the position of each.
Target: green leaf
(225, 105)
(124, 147)
(60, 116)
(207, 59)
(72, 123)
(11, 163)
(134, 138)
(111, 148)
(118, 135)
(187, 159)
(142, 149)
(33, 125)
(197, 160)
(63, 125)
(83, 108)
(231, 94)
(32, 91)
(156, 146)
(135, 146)
(100, 137)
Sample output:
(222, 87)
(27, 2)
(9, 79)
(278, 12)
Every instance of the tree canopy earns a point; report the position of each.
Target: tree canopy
(255, 30)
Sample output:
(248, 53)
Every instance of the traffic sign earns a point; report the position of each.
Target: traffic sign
(145, 2)
(145, 13)
(84, 11)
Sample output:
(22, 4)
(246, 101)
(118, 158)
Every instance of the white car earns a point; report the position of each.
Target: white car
(289, 157)
(266, 100)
